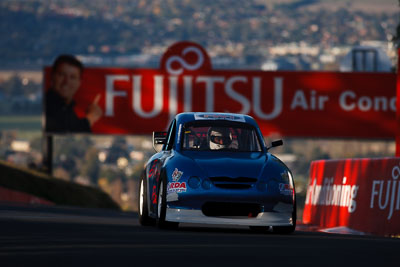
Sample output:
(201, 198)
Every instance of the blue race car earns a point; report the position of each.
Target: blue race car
(215, 168)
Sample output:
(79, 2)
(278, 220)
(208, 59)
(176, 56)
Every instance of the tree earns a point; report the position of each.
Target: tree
(118, 149)
(69, 152)
(12, 87)
(90, 166)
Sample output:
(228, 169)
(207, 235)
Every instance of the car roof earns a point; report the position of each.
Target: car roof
(212, 116)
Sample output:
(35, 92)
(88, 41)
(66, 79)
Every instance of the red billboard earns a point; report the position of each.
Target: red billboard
(360, 194)
(292, 104)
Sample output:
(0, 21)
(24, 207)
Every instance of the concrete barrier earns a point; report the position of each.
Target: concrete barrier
(8, 195)
(361, 195)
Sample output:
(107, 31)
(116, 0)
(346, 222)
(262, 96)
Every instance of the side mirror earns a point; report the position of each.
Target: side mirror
(159, 138)
(275, 144)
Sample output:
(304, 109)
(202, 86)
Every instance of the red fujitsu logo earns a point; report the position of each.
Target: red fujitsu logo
(185, 57)
(185, 75)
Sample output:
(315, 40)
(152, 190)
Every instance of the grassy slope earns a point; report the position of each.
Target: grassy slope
(55, 190)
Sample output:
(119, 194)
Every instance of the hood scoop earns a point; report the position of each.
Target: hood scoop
(233, 183)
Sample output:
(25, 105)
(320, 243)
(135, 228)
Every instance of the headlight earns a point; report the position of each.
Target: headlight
(287, 178)
(206, 184)
(287, 187)
(194, 182)
(291, 181)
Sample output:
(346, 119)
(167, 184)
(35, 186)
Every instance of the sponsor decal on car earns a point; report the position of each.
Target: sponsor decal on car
(176, 187)
(154, 176)
(172, 197)
(229, 117)
(176, 175)
(285, 189)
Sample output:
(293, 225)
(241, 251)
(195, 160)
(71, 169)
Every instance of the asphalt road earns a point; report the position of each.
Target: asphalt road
(60, 236)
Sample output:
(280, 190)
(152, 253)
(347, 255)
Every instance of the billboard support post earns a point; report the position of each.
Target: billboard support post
(48, 154)
(398, 106)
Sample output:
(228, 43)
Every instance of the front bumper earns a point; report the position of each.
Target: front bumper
(257, 206)
(262, 219)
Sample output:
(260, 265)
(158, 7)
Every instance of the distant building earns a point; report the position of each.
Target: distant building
(288, 62)
(366, 58)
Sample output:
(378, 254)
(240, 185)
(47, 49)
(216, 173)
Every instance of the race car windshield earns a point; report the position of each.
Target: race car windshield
(220, 136)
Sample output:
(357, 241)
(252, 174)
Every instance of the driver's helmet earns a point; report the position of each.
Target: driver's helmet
(219, 137)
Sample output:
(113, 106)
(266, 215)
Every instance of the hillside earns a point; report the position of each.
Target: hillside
(54, 190)
(34, 32)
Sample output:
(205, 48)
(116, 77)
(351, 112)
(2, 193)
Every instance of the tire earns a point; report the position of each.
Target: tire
(287, 229)
(162, 207)
(143, 211)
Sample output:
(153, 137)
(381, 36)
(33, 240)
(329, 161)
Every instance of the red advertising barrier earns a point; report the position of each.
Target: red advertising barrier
(301, 104)
(361, 194)
(8, 195)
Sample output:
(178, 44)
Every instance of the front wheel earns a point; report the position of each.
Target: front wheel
(144, 218)
(162, 207)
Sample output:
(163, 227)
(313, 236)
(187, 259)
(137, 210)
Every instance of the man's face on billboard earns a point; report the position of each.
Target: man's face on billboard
(66, 81)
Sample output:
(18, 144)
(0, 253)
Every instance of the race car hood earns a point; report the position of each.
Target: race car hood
(241, 165)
